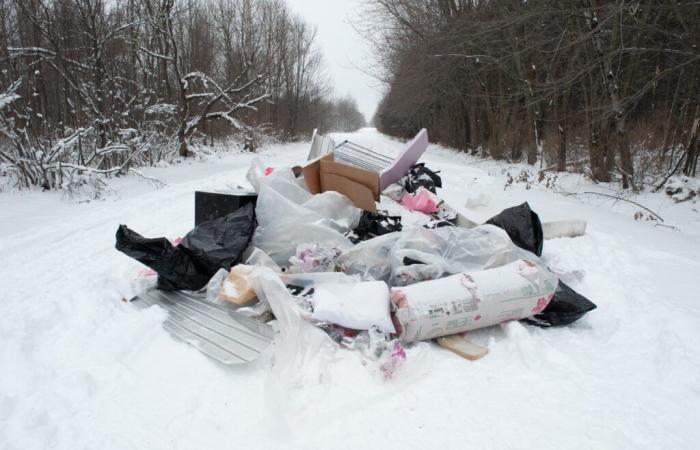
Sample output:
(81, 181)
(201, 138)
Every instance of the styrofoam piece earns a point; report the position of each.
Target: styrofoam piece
(564, 228)
(408, 157)
(551, 230)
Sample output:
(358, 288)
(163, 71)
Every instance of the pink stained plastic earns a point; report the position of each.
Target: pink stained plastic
(145, 273)
(393, 360)
(421, 201)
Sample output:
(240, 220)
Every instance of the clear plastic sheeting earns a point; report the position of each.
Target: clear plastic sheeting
(289, 216)
(423, 254)
(313, 258)
(256, 257)
(370, 259)
(214, 285)
(300, 348)
(256, 172)
(420, 254)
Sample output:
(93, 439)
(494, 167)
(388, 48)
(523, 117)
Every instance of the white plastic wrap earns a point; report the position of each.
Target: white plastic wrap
(423, 254)
(288, 216)
(313, 258)
(255, 173)
(370, 259)
(472, 300)
(256, 257)
(300, 349)
(420, 254)
(214, 285)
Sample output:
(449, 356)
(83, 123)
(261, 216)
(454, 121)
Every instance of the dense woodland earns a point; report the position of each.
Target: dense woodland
(609, 87)
(101, 87)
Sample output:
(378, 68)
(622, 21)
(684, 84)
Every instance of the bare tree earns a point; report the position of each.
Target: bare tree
(97, 88)
(545, 79)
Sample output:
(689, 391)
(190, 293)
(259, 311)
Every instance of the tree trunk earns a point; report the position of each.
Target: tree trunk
(182, 142)
(625, 161)
(691, 160)
(561, 153)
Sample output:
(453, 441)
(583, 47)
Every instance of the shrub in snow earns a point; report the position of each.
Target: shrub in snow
(681, 189)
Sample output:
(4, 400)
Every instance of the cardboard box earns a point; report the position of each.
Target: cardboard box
(361, 186)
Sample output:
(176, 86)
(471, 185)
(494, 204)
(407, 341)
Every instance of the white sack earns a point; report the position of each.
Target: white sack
(358, 306)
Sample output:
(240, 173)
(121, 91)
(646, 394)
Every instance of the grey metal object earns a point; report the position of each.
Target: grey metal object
(362, 157)
(217, 331)
(320, 145)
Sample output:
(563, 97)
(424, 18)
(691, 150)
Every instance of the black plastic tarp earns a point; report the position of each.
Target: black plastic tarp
(213, 245)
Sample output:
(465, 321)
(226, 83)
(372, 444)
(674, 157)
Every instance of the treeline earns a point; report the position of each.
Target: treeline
(342, 114)
(610, 85)
(99, 87)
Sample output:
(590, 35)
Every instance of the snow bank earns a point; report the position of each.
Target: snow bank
(81, 368)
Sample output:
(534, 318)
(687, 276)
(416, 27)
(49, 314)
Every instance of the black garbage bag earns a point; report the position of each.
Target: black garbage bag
(213, 245)
(523, 226)
(420, 176)
(373, 224)
(566, 307)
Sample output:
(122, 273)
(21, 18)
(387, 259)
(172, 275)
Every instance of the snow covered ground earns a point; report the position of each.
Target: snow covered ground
(79, 368)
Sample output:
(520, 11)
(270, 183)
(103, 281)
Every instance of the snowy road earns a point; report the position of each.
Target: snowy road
(79, 368)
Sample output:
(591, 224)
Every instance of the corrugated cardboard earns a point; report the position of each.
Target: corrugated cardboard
(361, 186)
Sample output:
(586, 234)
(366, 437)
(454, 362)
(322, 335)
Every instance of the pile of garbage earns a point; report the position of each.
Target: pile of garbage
(319, 246)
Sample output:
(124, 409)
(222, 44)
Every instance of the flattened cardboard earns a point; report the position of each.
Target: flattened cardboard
(360, 195)
(361, 186)
(364, 177)
(312, 174)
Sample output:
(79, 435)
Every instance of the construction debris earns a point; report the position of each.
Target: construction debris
(320, 256)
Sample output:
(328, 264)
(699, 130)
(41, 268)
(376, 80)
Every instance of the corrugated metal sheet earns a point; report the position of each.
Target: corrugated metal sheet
(218, 332)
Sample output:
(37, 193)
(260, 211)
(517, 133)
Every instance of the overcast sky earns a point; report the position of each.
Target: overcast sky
(343, 49)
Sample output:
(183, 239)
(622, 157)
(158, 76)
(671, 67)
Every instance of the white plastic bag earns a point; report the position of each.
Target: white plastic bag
(420, 254)
(370, 259)
(280, 240)
(256, 171)
(301, 351)
(214, 286)
(313, 258)
(472, 300)
(256, 257)
(425, 254)
(288, 216)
